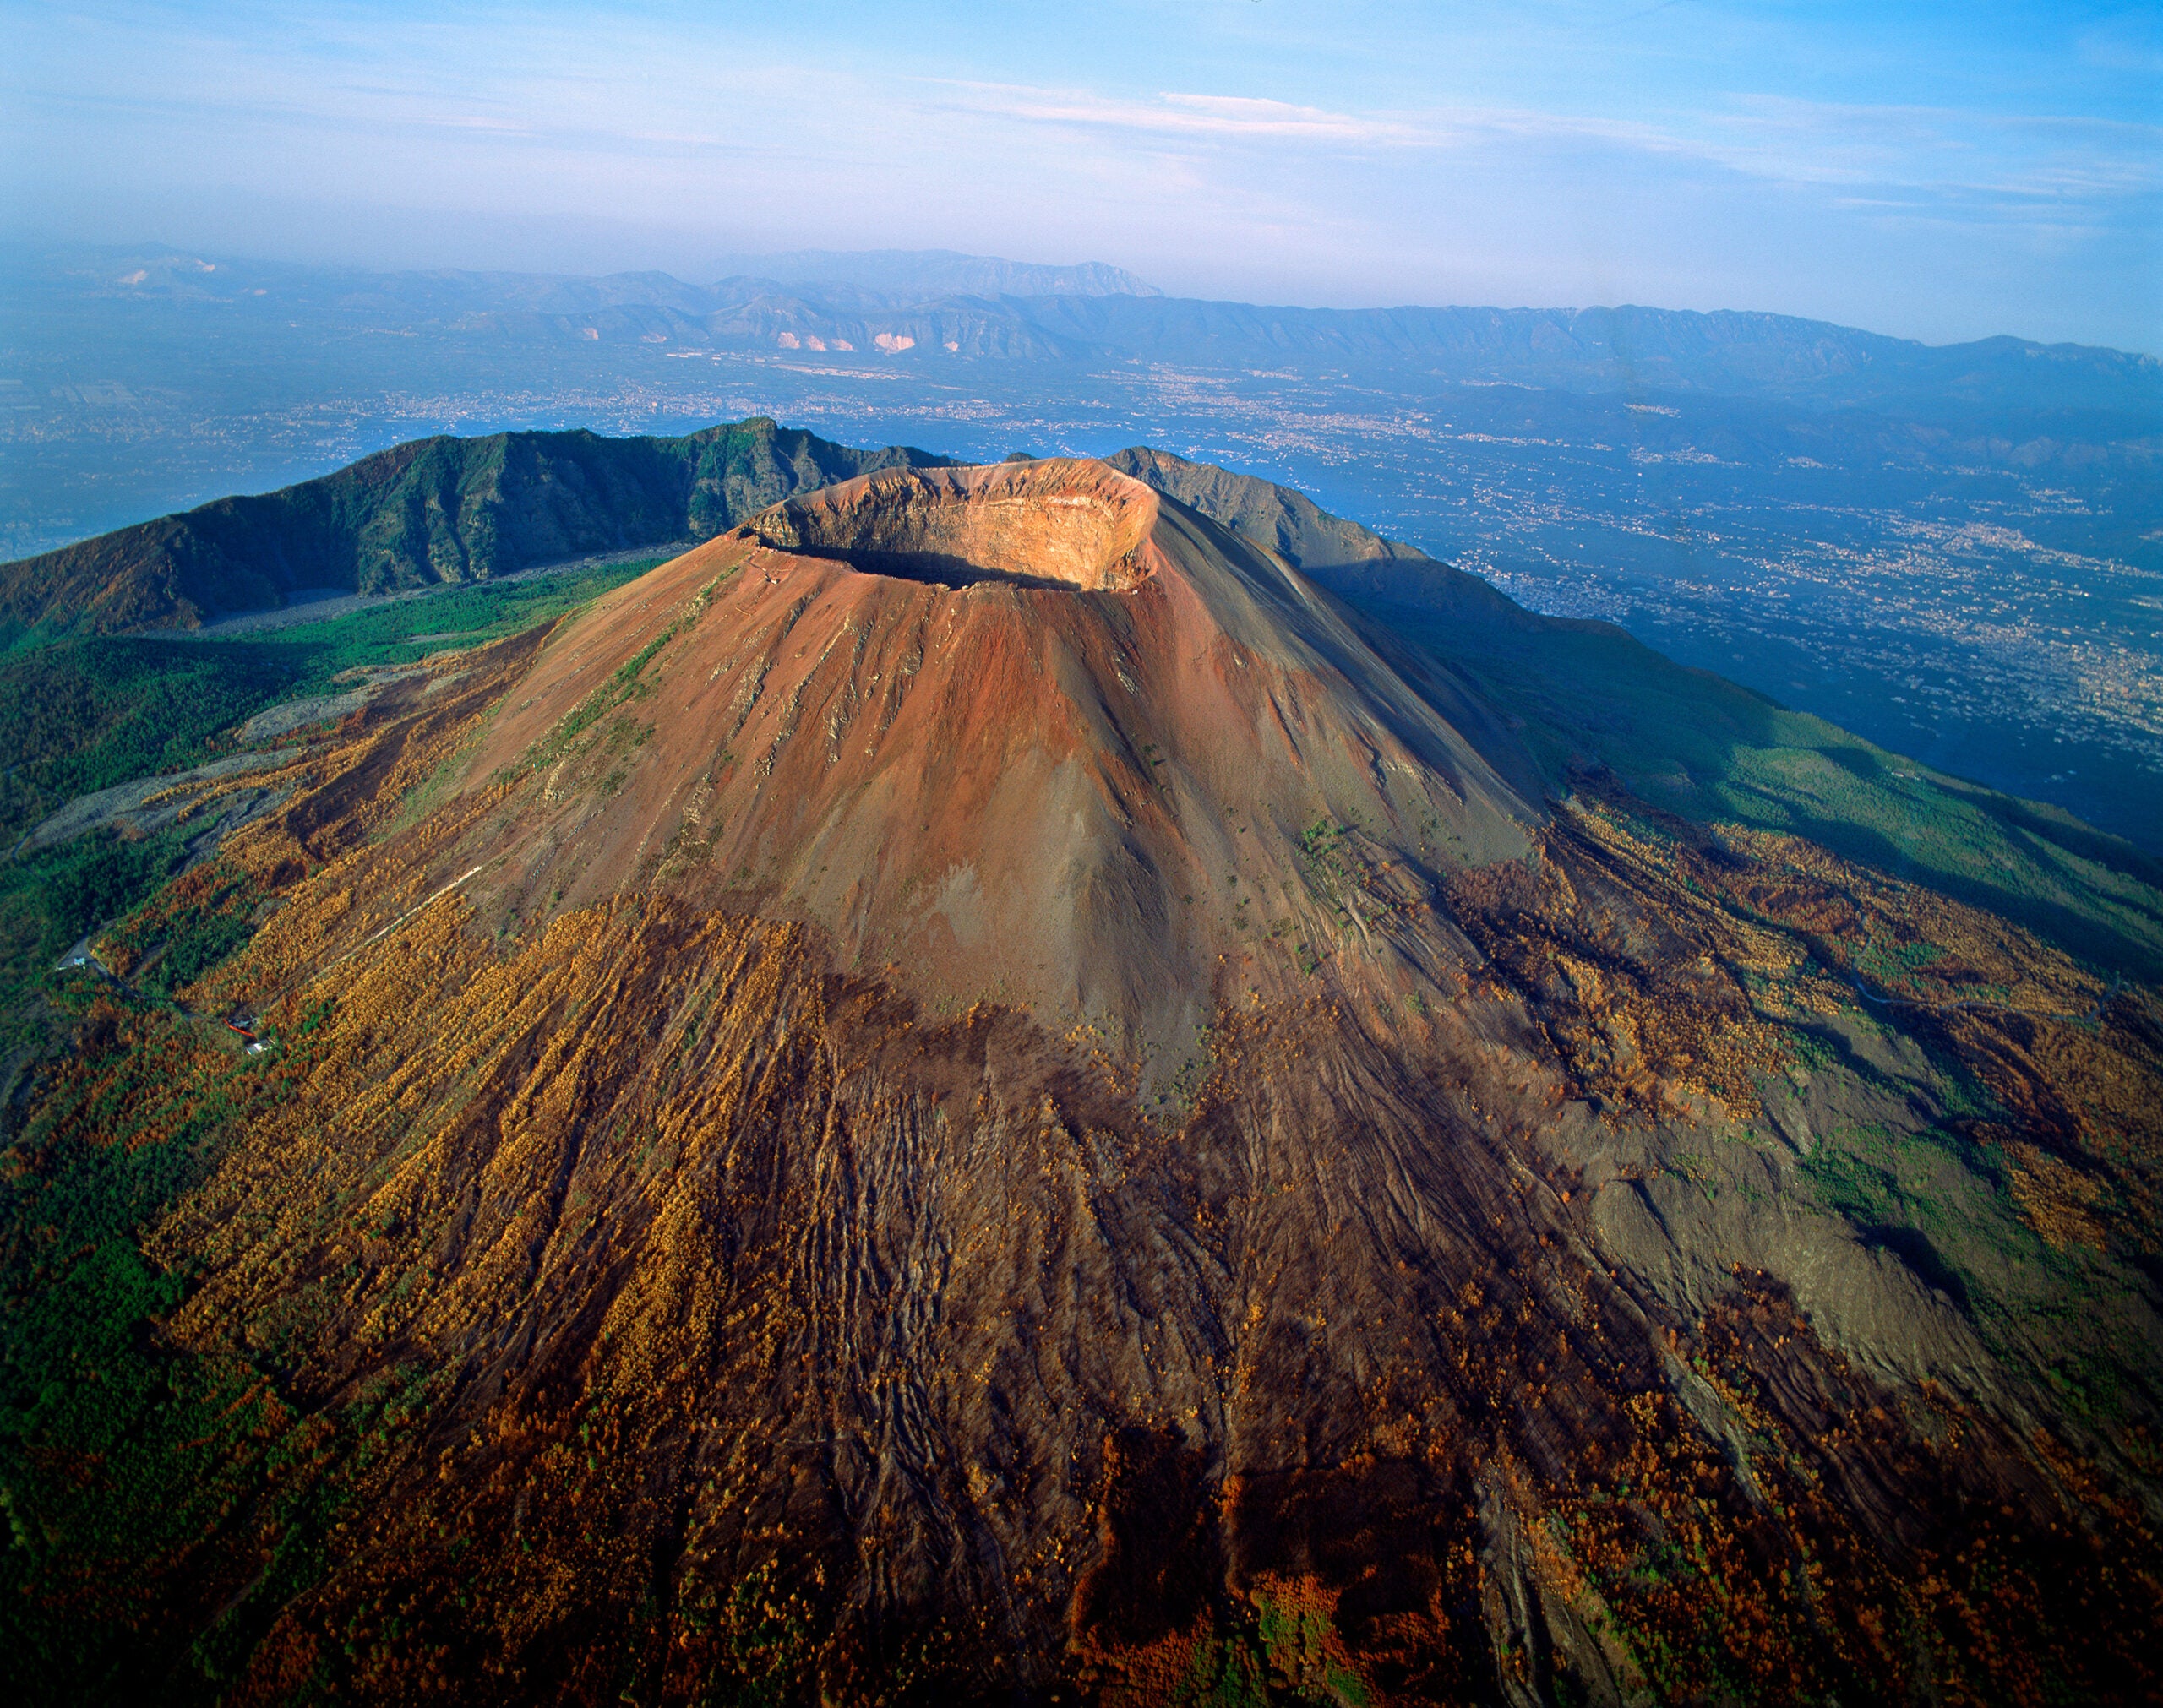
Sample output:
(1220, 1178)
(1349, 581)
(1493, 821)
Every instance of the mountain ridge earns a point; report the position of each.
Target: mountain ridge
(937, 272)
(439, 510)
(1395, 589)
(355, 529)
(1818, 365)
(1160, 669)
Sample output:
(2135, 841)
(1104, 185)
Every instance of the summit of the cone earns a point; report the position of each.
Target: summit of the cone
(1059, 523)
(1031, 734)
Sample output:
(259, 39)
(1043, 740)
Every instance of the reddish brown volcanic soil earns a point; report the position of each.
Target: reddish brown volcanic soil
(973, 1092)
(1025, 734)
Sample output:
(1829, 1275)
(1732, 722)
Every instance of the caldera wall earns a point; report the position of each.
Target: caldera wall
(1056, 522)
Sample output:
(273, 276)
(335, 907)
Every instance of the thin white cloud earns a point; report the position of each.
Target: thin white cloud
(2016, 167)
(493, 127)
(2133, 41)
(1790, 140)
(1177, 113)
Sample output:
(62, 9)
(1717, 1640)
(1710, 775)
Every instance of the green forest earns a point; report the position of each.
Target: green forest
(81, 714)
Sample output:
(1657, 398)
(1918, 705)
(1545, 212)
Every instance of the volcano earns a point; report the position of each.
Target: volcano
(1029, 735)
(976, 1090)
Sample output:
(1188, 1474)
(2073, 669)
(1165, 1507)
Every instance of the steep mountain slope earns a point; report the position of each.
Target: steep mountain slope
(430, 511)
(1591, 698)
(1350, 561)
(975, 1091)
(909, 727)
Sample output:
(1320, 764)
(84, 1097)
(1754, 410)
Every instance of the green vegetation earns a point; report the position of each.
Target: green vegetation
(1933, 1198)
(162, 1504)
(47, 901)
(627, 682)
(1273, 1654)
(83, 714)
(1329, 870)
(761, 1635)
(125, 1461)
(432, 511)
(1943, 1205)
(1704, 748)
(405, 631)
(190, 929)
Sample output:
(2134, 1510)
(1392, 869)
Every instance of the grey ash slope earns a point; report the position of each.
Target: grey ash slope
(1351, 561)
(1594, 704)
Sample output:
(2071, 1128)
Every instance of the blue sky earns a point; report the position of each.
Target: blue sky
(1941, 171)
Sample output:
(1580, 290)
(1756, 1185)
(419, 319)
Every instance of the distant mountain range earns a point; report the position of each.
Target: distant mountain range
(1954, 551)
(939, 272)
(932, 307)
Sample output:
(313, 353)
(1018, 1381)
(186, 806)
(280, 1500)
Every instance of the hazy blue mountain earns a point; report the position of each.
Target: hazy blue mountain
(1629, 349)
(930, 305)
(943, 272)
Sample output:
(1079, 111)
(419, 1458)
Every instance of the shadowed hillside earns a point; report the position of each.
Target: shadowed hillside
(1593, 701)
(432, 510)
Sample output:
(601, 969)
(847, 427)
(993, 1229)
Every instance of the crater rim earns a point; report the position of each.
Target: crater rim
(1061, 525)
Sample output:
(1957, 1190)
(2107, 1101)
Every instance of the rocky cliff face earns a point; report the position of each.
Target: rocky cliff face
(974, 1092)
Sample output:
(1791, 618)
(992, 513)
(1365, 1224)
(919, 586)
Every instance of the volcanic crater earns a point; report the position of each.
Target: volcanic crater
(954, 527)
(1030, 733)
